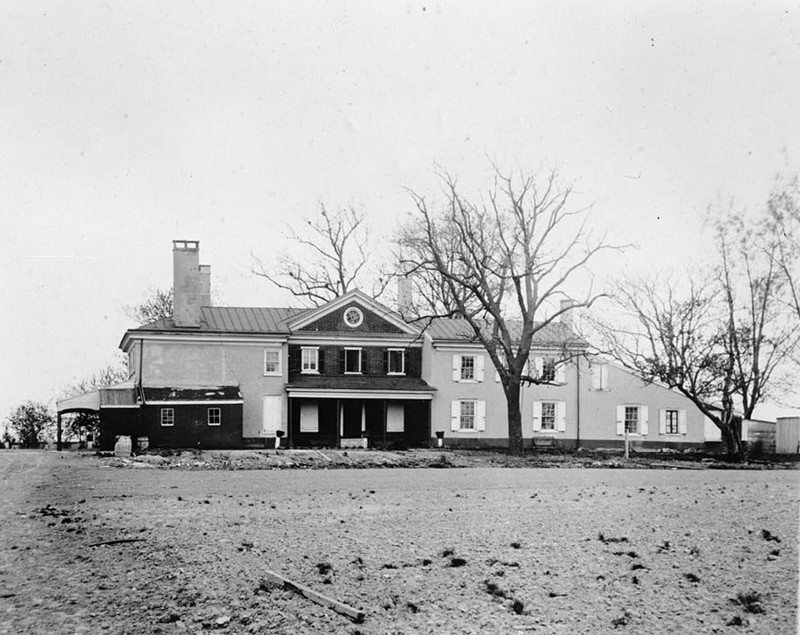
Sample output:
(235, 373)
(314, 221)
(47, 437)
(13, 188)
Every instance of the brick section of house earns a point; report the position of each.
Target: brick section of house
(334, 322)
(373, 360)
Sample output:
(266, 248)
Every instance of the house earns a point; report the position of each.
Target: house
(354, 373)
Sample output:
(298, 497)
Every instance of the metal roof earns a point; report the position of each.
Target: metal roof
(223, 319)
(459, 330)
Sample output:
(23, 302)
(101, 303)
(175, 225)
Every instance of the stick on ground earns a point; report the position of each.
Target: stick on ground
(348, 611)
(116, 541)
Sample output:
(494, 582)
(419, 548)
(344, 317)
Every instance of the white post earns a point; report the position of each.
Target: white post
(626, 442)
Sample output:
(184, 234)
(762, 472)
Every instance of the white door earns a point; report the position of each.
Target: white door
(272, 416)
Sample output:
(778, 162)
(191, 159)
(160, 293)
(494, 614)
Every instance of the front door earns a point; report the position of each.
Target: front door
(351, 418)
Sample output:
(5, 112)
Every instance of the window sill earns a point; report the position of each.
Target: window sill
(396, 374)
(549, 431)
(273, 374)
(214, 425)
(309, 372)
(352, 372)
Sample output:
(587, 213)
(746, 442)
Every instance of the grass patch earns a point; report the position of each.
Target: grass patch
(749, 601)
(324, 568)
(457, 562)
(767, 535)
(691, 577)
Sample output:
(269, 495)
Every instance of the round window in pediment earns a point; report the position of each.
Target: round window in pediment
(353, 317)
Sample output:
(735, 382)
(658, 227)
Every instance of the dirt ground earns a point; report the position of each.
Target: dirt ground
(425, 550)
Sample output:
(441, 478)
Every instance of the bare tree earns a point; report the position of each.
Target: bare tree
(158, 305)
(500, 265)
(723, 343)
(783, 232)
(334, 257)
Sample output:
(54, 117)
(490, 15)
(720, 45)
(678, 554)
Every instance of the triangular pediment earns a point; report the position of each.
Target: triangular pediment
(355, 313)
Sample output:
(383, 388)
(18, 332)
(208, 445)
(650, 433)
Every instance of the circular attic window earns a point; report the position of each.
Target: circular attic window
(353, 317)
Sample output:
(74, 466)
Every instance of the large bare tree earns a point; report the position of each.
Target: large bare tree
(722, 341)
(330, 256)
(502, 265)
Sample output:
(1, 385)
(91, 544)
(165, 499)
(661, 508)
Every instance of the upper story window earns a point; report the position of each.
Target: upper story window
(467, 368)
(214, 416)
(272, 361)
(352, 360)
(397, 361)
(309, 359)
(599, 376)
(548, 369)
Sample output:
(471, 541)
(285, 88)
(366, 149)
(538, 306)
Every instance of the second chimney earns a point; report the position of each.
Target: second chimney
(205, 285)
(186, 282)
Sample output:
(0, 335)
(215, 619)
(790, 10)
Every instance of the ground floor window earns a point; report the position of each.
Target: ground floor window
(309, 417)
(549, 416)
(632, 419)
(671, 422)
(214, 416)
(468, 415)
(167, 416)
(395, 417)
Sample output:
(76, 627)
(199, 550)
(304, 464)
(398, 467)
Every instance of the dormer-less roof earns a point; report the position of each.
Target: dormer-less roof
(458, 330)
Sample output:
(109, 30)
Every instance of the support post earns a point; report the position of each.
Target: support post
(58, 432)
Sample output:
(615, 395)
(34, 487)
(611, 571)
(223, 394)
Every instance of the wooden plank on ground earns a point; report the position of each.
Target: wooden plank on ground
(341, 608)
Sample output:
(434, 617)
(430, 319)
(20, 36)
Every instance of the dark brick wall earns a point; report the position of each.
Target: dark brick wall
(116, 422)
(373, 360)
(335, 322)
(191, 429)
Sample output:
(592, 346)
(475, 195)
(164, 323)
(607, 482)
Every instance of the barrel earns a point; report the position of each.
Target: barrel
(142, 443)
(123, 446)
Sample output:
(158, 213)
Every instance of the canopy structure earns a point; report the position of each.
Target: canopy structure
(121, 394)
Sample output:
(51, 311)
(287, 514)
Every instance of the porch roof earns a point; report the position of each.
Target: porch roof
(359, 386)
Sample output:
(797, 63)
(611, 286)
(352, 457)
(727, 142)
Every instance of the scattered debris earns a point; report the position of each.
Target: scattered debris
(116, 541)
(340, 607)
(606, 541)
(768, 536)
(749, 601)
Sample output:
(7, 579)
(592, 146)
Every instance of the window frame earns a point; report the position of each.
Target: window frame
(461, 416)
(171, 416)
(349, 349)
(402, 353)
(314, 351)
(554, 406)
(214, 411)
(473, 367)
(278, 362)
(638, 423)
(669, 421)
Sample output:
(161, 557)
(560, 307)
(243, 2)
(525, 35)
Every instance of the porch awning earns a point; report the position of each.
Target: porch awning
(85, 401)
(360, 387)
(122, 395)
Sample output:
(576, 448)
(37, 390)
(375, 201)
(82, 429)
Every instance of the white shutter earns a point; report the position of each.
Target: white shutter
(480, 415)
(395, 415)
(538, 364)
(479, 367)
(270, 415)
(561, 416)
(455, 415)
(596, 376)
(682, 421)
(662, 421)
(604, 377)
(643, 420)
(456, 367)
(537, 416)
(620, 419)
(561, 373)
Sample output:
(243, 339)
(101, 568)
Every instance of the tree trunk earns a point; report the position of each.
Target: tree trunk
(733, 441)
(515, 444)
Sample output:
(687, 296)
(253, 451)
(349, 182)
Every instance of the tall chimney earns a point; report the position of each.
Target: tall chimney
(205, 285)
(186, 282)
(566, 317)
(404, 297)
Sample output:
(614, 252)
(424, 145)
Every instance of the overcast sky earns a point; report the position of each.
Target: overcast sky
(124, 125)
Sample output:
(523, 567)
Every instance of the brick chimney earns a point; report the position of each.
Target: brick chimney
(566, 317)
(205, 285)
(186, 285)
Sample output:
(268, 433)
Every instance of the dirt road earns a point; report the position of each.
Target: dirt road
(420, 551)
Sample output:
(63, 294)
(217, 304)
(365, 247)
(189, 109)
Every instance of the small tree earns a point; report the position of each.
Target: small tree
(330, 257)
(500, 266)
(31, 422)
(158, 305)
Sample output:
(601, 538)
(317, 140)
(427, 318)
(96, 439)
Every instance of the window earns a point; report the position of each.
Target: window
(353, 317)
(548, 369)
(309, 417)
(167, 417)
(468, 415)
(467, 367)
(272, 361)
(549, 416)
(397, 361)
(214, 416)
(672, 421)
(632, 419)
(599, 376)
(352, 360)
(309, 362)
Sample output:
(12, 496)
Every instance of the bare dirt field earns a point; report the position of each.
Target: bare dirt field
(460, 550)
